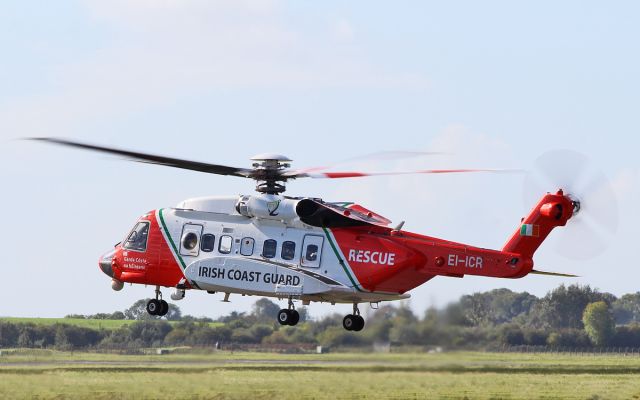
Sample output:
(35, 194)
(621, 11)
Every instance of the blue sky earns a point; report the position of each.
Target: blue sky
(495, 84)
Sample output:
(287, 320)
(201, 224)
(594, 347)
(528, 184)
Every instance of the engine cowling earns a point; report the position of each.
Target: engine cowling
(268, 206)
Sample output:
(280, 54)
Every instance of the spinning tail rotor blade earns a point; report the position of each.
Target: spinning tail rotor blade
(153, 159)
(592, 227)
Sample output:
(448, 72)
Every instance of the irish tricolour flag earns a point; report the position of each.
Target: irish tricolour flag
(530, 230)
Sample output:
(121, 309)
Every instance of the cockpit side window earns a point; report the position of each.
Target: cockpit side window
(137, 239)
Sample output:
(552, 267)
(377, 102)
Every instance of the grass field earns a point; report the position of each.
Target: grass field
(108, 324)
(458, 375)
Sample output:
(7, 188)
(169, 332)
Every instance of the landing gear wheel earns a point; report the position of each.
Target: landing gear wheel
(154, 306)
(353, 323)
(164, 308)
(288, 317)
(295, 317)
(359, 323)
(349, 322)
(284, 317)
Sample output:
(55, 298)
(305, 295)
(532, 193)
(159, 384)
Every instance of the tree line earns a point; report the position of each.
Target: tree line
(568, 316)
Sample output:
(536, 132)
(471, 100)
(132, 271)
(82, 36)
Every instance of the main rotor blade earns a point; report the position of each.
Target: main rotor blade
(153, 159)
(357, 174)
(536, 272)
(377, 156)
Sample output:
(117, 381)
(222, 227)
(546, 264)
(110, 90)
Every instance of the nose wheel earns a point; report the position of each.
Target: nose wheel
(288, 316)
(157, 306)
(353, 322)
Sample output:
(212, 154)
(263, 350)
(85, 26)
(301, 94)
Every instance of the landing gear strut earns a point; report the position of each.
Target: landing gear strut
(158, 306)
(288, 316)
(353, 322)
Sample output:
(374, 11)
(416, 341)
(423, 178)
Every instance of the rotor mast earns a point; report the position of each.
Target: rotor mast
(268, 171)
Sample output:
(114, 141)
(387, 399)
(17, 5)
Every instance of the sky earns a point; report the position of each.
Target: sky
(492, 84)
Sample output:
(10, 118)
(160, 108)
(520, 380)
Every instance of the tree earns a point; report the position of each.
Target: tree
(563, 307)
(454, 314)
(626, 309)
(75, 316)
(174, 313)
(265, 310)
(304, 313)
(118, 338)
(232, 317)
(26, 337)
(336, 336)
(535, 337)
(138, 310)
(511, 334)
(627, 336)
(495, 307)
(149, 333)
(404, 329)
(69, 337)
(598, 323)
(8, 334)
(568, 338)
(117, 315)
(260, 331)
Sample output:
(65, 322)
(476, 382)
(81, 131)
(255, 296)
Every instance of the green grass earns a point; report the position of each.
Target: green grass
(109, 324)
(457, 375)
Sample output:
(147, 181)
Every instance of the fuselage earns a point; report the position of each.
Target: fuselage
(274, 246)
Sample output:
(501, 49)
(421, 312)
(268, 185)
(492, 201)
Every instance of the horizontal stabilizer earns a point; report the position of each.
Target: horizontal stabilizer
(553, 274)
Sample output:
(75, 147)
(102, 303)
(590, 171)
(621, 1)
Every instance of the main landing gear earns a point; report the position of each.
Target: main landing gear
(288, 316)
(158, 306)
(353, 322)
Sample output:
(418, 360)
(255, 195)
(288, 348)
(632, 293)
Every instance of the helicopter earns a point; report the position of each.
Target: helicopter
(303, 249)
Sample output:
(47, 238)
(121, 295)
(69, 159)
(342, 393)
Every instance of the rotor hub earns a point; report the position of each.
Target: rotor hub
(576, 206)
(268, 172)
(575, 203)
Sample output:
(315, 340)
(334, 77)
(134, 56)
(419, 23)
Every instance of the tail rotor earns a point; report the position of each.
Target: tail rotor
(595, 219)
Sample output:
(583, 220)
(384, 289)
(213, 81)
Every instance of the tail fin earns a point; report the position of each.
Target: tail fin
(551, 211)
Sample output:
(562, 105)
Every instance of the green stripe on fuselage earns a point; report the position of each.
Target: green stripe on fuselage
(340, 260)
(173, 245)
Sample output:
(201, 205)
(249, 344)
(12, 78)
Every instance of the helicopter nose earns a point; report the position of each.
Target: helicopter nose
(105, 263)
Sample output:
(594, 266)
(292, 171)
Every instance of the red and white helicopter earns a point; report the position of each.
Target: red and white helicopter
(300, 248)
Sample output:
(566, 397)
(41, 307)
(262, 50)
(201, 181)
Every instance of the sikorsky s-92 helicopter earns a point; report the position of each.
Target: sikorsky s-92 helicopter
(301, 248)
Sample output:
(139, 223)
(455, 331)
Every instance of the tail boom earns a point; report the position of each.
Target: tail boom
(552, 211)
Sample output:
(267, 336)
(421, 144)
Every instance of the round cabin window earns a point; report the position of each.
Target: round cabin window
(190, 241)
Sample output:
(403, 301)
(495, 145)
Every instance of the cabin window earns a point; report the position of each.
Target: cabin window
(208, 242)
(269, 248)
(137, 239)
(312, 253)
(246, 247)
(226, 242)
(190, 241)
(288, 250)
